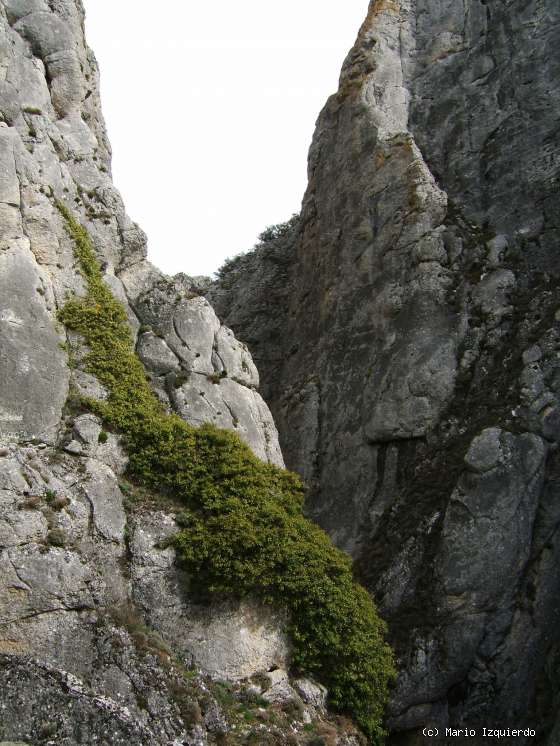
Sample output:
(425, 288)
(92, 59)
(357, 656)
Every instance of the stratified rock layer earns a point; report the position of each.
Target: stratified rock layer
(407, 335)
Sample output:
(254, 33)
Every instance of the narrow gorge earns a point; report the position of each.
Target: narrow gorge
(396, 345)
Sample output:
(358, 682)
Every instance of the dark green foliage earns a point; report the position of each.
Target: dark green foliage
(180, 378)
(230, 264)
(243, 530)
(102, 437)
(272, 232)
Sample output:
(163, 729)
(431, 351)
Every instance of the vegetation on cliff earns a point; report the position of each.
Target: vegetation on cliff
(243, 530)
(270, 237)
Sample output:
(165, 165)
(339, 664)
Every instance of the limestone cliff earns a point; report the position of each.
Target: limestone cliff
(98, 641)
(407, 334)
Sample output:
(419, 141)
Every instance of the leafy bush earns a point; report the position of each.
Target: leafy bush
(243, 531)
(272, 232)
(230, 264)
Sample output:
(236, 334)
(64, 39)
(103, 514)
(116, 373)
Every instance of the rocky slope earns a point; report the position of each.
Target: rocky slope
(407, 334)
(98, 641)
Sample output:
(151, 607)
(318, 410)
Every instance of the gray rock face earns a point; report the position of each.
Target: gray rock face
(406, 332)
(198, 367)
(97, 636)
(81, 658)
(30, 406)
(53, 144)
(228, 640)
(407, 336)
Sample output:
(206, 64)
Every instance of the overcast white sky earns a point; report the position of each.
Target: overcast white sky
(210, 108)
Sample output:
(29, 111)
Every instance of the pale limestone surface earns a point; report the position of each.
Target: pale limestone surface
(65, 568)
(228, 640)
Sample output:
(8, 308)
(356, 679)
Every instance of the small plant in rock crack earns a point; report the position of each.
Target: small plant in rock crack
(217, 377)
(181, 378)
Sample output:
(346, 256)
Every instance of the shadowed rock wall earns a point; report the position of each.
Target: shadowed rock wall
(413, 363)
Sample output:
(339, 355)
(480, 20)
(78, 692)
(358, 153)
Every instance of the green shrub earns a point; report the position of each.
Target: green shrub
(243, 531)
(270, 234)
(230, 263)
(273, 232)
